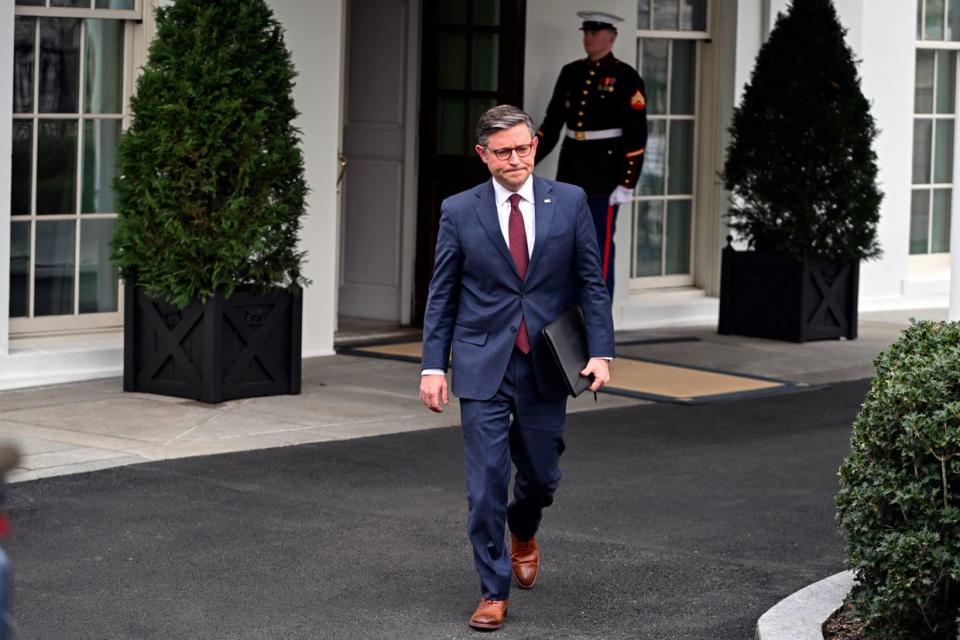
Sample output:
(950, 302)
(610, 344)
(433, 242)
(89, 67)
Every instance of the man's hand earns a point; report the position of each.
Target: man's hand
(433, 391)
(600, 369)
(621, 195)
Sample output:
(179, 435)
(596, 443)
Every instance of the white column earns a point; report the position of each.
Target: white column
(954, 312)
(314, 35)
(6, 149)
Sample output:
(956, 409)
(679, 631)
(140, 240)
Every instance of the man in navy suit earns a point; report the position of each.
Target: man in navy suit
(512, 254)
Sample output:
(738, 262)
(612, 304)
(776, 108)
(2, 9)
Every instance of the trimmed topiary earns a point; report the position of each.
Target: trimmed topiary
(800, 165)
(899, 499)
(210, 179)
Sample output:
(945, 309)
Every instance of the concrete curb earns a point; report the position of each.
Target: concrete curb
(799, 616)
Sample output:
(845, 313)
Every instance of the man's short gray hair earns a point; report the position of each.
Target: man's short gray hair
(500, 117)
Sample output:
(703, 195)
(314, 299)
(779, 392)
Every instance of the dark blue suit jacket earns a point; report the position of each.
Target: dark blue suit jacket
(477, 298)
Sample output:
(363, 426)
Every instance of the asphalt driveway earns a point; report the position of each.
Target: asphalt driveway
(672, 521)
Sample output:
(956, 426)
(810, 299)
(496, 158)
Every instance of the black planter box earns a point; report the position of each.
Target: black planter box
(243, 346)
(766, 295)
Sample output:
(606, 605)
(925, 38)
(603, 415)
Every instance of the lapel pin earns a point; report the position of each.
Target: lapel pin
(546, 200)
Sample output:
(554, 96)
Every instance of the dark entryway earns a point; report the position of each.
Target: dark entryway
(472, 59)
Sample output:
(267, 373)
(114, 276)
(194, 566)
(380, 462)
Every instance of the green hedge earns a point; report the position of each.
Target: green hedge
(899, 499)
(210, 176)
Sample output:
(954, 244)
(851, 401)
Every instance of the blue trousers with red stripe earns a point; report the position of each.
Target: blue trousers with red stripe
(605, 222)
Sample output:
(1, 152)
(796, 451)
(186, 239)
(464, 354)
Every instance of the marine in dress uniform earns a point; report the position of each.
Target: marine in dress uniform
(603, 103)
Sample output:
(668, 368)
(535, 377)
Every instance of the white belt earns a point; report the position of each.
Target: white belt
(599, 134)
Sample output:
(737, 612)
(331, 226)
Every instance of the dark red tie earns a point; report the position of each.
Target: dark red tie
(521, 258)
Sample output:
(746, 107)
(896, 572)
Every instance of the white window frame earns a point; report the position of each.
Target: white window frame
(677, 34)
(639, 284)
(133, 48)
(933, 263)
(78, 12)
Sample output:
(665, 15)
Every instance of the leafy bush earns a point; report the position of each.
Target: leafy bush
(800, 166)
(210, 176)
(899, 499)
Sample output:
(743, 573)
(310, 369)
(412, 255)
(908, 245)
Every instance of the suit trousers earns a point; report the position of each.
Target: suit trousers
(533, 441)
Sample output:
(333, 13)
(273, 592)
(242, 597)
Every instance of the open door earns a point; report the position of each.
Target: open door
(378, 136)
(472, 59)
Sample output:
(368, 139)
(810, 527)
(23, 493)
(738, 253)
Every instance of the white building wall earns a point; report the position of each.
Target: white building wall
(553, 39)
(888, 51)
(314, 35)
(881, 33)
(882, 36)
(752, 29)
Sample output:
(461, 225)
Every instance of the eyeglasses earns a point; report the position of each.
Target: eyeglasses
(504, 153)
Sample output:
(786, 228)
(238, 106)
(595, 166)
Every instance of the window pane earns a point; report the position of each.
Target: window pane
(486, 49)
(57, 166)
(934, 30)
(694, 16)
(649, 238)
(84, 4)
(643, 14)
(114, 4)
(59, 65)
(919, 216)
(21, 183)
(651, 178)
(104, 67)
(666, 14)
(678, 237)
(29, 3)
(100, 139)
(53, 277)
(450, 126)
(452, 69)
(681, 158)
(943, 146)
(682, 77)
(477, 108)
(922, 132)
(23, 55)
(453, 12)
(19, 269)
(486, 12)
(953, 18)
(923, 92)
(946, 72)
(940, 231)
(98, 278)
(653, 69)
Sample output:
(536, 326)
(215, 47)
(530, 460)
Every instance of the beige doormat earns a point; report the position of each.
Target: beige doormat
(638, 378)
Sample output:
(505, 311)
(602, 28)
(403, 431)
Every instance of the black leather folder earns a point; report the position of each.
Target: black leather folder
(566, 337)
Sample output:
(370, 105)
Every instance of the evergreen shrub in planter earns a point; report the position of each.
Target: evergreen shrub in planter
(211, 190)
(802, 176)
(899, 498)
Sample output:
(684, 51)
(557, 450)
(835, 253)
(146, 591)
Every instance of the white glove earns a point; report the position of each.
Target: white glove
(620, 195)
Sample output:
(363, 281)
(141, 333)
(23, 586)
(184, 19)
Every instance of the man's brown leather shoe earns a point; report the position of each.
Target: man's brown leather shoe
(489, 614)
(525, 558)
